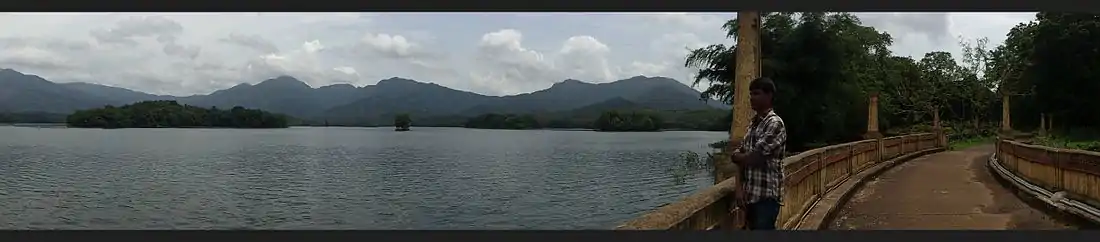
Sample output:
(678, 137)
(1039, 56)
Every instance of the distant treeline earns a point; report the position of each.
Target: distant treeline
(503, 121)
(31, 117)
(631, 121)
(616, 120)
(169, 114)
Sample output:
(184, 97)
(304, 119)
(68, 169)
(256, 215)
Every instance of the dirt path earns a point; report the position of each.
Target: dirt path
(948, 190)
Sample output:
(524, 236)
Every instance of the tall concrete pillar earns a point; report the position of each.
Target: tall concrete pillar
(872, 118)
(936, 128)
(747, 69)
(1050, 122)
(1043, 124)
(1006, 117)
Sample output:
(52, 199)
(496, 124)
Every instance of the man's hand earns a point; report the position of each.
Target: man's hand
(739, 158)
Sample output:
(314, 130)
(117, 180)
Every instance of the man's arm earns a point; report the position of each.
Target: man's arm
(775, 135)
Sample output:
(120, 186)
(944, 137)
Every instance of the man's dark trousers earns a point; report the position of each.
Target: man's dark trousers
(761, 215)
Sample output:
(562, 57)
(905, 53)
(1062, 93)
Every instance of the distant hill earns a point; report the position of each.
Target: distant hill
(344, 104)
(398, 95)
(283, 94)
(114, 95)
(29, 93)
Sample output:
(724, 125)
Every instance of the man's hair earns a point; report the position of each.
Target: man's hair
(763, 84)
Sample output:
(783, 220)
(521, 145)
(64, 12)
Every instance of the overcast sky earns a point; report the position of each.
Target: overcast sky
(494, 53)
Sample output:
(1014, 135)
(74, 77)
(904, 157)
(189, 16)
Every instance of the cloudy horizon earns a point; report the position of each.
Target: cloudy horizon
(488, 53)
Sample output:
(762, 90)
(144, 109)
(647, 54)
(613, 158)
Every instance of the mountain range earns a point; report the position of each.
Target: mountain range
(366, 105)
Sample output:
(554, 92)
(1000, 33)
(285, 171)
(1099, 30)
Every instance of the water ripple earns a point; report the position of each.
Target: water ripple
(337, 178)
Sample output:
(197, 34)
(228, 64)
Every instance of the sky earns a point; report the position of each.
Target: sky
(488, 53)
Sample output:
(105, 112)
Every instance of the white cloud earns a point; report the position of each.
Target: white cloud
(694, 22)
(190, 53)
(392, 45)
(255, 42)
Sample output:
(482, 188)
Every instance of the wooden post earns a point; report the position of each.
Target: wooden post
(872, 118)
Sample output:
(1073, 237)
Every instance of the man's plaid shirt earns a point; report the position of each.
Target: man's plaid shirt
(768, 136)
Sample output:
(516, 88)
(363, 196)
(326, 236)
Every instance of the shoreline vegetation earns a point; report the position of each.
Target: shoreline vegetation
(614, 121)
(503, 121)
(586, 119)
(170, 114)
(402, 122)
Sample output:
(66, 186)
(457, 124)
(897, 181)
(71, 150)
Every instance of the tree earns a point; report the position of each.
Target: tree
(503, 121)
(614, 121)
(824, 64)
(402, 122)
(978, 86)
(169, 114)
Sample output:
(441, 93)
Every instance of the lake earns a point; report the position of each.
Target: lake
(339, 178)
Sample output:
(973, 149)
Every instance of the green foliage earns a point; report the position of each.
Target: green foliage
(1068, 142)
(719, 144)
(632, 121)
(1048, 66)
(503, 121)
(400, 121)
(703, 120)
(169, 114)
(706, 120)
(825, 65)
(692, 164)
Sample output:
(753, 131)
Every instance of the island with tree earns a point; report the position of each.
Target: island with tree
(503, 121)
(614, 121)
(402, 122)
(170, 114)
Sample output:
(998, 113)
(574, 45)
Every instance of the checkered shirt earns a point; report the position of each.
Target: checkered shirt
(768, 136)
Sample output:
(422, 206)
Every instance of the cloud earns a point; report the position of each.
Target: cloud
(164, 30)
(694, 22)
(585, 57)
(197, 53)
(254, 42)
(390, 45)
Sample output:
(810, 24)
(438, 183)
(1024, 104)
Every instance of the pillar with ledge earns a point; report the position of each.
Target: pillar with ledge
(937, 129)
(872, 118)
(1006, 117)
(1043, 124)
(747, 69)
(872, 124)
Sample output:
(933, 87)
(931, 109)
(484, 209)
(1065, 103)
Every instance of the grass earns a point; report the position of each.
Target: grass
(970, 142)
(1064, 142)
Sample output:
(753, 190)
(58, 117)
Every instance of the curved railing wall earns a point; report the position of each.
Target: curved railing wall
(808, 176)
(1045, 172)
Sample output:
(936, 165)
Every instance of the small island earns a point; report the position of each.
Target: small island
(613, 121)
(503, 121)
(170, 114)
(402, 122)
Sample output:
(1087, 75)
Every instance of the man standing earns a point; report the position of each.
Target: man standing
(760, 158)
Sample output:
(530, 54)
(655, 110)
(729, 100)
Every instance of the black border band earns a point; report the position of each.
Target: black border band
(554, 236)
(548, 6)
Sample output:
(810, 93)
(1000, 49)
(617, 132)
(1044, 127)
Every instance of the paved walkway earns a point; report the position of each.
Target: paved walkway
(947, 190)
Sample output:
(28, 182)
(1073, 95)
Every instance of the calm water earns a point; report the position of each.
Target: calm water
(337, 178)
